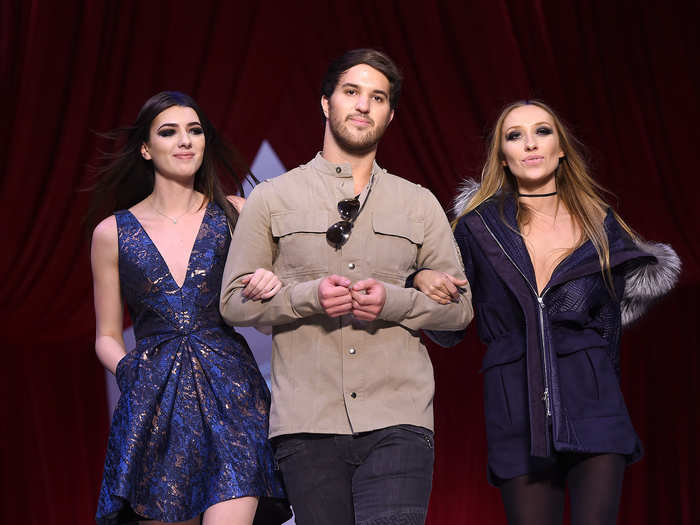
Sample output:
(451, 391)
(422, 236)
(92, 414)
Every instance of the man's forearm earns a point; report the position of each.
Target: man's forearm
(415, 310)
(292, 302)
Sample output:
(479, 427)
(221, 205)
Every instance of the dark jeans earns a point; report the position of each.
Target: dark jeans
(382, 477)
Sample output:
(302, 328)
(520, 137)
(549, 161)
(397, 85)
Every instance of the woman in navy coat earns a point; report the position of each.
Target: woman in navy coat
(555, 273)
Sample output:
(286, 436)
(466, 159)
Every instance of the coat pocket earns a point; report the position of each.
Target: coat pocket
(505, 381)
(301, 238)
(589, 384)
(503, 350)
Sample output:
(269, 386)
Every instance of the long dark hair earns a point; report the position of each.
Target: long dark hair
(125, 177)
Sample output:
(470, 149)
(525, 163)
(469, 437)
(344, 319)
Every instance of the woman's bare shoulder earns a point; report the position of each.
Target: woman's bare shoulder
(237, 202)
(105, 236)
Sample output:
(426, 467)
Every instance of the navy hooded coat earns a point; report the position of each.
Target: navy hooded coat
(551, 369)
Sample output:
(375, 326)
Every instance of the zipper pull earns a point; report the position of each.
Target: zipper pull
(540, 301)
(545, 398)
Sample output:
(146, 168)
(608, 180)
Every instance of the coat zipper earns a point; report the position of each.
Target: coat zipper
(540, 310)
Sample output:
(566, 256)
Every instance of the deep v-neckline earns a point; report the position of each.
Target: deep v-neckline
(515, 246)
(160, 255)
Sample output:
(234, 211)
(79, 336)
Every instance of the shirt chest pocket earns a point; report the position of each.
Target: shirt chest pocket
(396, 240)
(301, 240)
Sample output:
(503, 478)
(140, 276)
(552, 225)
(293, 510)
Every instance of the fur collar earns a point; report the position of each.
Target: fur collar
(465, 191)
(644, 283)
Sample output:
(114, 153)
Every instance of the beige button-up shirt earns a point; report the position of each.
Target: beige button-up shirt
(342, 375)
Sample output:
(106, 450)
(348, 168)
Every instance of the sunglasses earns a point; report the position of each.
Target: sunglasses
(339, 233)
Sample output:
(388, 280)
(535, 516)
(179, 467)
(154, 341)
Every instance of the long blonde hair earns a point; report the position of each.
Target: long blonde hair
(580, 194)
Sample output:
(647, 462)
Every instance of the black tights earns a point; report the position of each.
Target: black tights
(594, 481)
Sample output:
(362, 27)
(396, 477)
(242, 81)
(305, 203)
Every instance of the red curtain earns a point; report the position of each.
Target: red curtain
(624, 74)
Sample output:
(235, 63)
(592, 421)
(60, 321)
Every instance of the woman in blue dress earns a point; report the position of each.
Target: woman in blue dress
(188, 440)
(555, 273)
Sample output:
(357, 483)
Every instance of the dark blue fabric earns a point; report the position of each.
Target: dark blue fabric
(190, 427)
(579, 364)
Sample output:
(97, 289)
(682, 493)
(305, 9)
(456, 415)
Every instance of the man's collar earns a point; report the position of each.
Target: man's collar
(338, 170)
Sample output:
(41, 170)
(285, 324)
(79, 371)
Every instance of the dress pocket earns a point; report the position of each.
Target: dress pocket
(120, 372)
(301, 237)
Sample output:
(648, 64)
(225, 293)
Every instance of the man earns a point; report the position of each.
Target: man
(352, 384)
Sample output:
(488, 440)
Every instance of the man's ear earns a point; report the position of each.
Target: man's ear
(144, 152)
(391, 117)
(324, 105)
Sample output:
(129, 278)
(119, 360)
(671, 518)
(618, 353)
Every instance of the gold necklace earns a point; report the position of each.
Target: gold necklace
(173, 219)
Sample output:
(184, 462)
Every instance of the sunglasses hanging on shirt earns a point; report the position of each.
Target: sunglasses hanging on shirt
(339, 233)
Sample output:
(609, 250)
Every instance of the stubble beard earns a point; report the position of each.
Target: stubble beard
(351, 142)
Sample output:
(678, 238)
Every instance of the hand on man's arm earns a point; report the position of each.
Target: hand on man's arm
(439, 286)
(253, 247)
(414, 309)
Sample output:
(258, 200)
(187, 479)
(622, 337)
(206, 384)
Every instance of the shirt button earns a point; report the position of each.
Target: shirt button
(353, 395)
(352, 351)
(351, 266)
(338, 169)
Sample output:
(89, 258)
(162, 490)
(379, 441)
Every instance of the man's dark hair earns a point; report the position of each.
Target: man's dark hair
(373, 58)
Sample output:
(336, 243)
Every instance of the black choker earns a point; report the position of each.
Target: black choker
(537, 194)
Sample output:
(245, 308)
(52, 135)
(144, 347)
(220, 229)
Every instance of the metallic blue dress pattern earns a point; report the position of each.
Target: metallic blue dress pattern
(190, 427)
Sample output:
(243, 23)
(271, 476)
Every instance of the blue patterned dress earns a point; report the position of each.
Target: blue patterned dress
(190, 428)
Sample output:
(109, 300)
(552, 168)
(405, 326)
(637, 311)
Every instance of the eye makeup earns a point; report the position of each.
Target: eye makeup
(170, 131)
(541, 130)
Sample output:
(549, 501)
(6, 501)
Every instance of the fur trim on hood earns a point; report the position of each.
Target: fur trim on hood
(644, 283)
(647, 282)
(465, 191)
